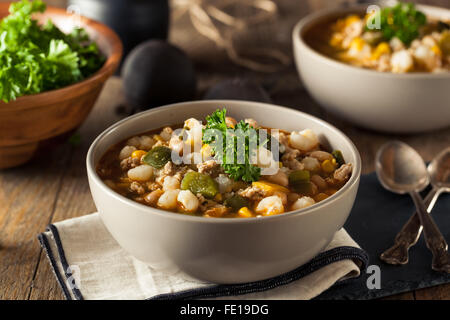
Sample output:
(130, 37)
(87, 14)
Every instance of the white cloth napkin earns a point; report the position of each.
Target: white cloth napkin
(89, 264)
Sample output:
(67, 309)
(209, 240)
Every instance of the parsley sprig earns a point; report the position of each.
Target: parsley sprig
(402, 21)
(36, 58)
(245, 171)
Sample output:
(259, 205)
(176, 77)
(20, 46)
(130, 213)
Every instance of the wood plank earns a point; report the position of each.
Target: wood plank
(75, 198)
(441, 292)
(28, 196)
(402, 296)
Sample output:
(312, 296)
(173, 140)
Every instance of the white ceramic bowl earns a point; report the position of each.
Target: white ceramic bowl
(214, 249)
(401, 103)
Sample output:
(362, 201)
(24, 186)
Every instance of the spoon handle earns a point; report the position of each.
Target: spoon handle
(409, 234)
(433, 237)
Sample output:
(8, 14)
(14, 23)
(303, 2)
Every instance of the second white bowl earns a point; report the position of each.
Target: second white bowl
(400, 103)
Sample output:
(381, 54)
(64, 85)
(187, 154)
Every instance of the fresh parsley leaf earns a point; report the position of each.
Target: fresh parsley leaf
(402, 21)
(36, 58)
(245, 171)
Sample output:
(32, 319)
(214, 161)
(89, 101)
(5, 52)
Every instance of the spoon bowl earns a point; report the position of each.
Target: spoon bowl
(439, 170)
(401, 169)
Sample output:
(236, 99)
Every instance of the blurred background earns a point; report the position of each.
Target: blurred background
(263, 44)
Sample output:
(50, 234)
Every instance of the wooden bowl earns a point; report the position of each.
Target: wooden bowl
(31, 119)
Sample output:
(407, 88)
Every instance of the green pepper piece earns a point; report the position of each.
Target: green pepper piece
(158, 157)
(201, 183)
(236, 202)
(303, 188)
(339, 157)
(299, 176)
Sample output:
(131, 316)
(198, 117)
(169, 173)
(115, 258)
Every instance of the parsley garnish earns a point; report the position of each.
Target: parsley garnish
(36, 58)
(245, 171)
(402, 21)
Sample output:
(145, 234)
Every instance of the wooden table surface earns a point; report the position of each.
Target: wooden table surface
(54, 186)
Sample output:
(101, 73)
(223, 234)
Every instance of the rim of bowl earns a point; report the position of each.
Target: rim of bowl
(111, 63)
(311, 19)
(354, 179)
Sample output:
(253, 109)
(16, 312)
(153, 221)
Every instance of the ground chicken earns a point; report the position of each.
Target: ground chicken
(210, 167)
(343, 173)
(252, 193)
(137, 187)
(289, 159)
(129, 163)
(168, 169)
(216, 211)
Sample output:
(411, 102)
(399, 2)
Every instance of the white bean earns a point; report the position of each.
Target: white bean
(134, 141)
(143, 172)
(168, 200)
(264, 157)
(303, 202)
(304, 140)
(166, 133)
(270, 206)
(176, 144)
(191, 123)
(146, 142)
(311, 164)
(188, 201)
(126, 152)
(396, 44)
(194, 137)
(251, 122)
(402, 61)
(225, 184)
(171, 183)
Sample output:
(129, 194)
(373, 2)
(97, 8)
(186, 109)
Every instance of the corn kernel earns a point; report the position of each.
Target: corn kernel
(138, 154)
(280, 164)
(269, 188)
(320, 196)
(244, 212)
(336, 40)
(328, 166)
(382, 48)
(357, 44)
(206, 151)
(436, 50)
(351, 19)
(218, 197)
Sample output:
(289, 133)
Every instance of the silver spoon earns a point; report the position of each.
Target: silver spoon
(400, 169)
(439, 171)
